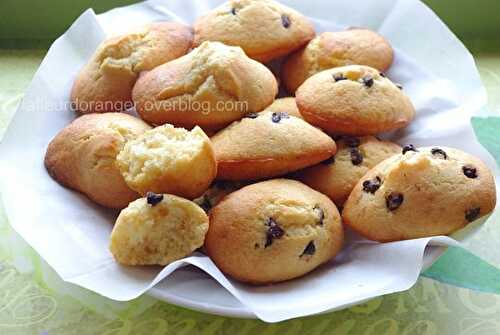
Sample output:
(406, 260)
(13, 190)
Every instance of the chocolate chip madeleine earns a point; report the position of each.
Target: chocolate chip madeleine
(334, 49)
(105, 83)
(264, 29)
(212, 86)
(273, 231)
(82, 156)
(420, 192)
(158, 229)
(270, 144)
(354, 100)
(337, 176)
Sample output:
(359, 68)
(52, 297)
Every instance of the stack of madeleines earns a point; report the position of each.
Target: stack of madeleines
(268, 193)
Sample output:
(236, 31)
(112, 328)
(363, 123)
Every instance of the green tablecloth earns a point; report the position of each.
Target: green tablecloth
(33, 300)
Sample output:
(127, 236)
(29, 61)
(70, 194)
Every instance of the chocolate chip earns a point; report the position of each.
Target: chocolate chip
(320, 213)
(439, 152)
(329, 161)
(273, 232)
(409, 147)
(339, 77)
(393, 201)
(285, 21)
(399, 86)
(251, 115)
(153, 199)
(310, 249)
(277, 116)
(356, 156)
(233, 11)
(368, 81)
(269, 241)
(469, 171)
(371, 186)
(352, 142)
(472, 214)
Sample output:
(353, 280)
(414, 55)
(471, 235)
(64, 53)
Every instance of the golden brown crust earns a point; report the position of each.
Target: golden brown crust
(337, 177)
(256, 148)
(264, 29)
(105, 83)
(335, 49)
(352, 107)
(82, 156)
(237, 239)
(212, 86)
(421, 194)
(255, 169)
